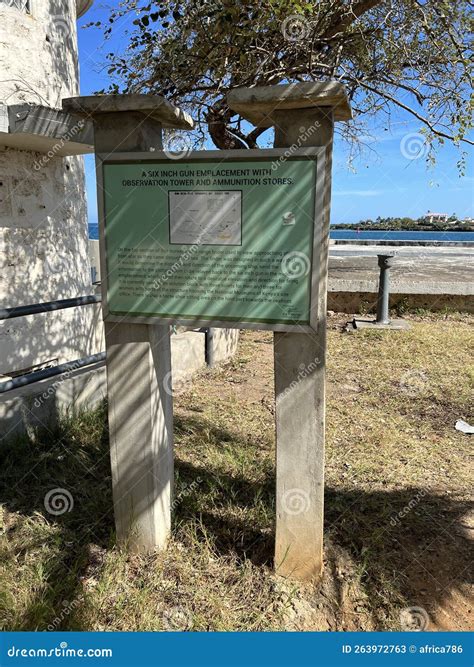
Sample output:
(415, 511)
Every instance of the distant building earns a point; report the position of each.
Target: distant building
(436, 217)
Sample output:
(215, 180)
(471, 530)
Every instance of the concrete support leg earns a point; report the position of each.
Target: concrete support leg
(141, 431)
(138, 355)
(299, 394)
(300, 390)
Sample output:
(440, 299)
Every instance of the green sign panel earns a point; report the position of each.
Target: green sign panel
(217, 241)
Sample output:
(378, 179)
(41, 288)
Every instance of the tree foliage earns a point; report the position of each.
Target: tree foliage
(406, 54)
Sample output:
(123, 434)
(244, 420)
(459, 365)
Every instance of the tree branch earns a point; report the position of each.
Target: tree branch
(421, 118)
(344, 21)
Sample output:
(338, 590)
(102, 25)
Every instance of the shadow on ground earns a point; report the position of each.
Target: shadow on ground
(70, 524)
(418, 555)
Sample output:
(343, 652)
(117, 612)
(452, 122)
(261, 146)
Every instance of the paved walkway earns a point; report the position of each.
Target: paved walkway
(416, 270)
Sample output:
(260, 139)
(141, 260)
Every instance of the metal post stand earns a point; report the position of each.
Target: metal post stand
(383, 320)
(385, 263)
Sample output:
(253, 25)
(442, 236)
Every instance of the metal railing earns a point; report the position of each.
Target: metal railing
(48, 306)
(60, 304)
(46, 373)
(68, 367)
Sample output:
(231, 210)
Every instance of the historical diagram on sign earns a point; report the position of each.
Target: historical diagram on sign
(206, 217)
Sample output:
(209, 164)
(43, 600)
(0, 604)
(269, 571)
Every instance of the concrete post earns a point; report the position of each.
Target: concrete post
(303, 115)
(385, 263)
(301, 405)
(138, 355)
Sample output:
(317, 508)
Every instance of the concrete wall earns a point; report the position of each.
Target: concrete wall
(225, 343)
(44, 250)
(39, 405)
(366, 302)
(393, 242)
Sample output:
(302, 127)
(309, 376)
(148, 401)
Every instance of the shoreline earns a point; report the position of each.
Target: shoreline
(428, 230)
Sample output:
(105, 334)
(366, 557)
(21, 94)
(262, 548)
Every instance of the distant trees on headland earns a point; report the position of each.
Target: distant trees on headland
(428, 222)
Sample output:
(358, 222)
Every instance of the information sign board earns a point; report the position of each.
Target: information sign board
(218, 238)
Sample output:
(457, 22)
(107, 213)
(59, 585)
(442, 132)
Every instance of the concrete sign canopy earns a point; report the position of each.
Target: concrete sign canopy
(257, 104)
(49, 131)
(219, 238)
(152, 106)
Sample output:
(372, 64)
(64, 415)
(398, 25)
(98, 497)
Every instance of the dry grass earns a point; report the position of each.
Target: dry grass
(392, 402)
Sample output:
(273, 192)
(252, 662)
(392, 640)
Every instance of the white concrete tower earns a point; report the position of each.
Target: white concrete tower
(43, 223)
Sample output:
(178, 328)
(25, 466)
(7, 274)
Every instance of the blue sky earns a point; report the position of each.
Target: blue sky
(386, 180)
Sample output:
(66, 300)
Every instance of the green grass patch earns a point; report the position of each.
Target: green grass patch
(393, 399)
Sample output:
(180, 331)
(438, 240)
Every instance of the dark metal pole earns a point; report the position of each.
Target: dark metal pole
(209, 348)
(48, 306)
(45, 373)
(385, 263)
